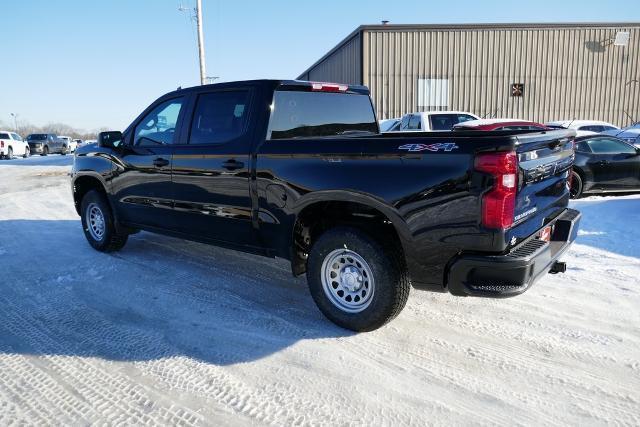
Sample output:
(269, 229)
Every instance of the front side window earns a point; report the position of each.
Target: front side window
(448, 121)
(158, 126)
(583, 147)
(220, 117)
(298, 114)
(16, 137)
(610, 146)
(591, 128)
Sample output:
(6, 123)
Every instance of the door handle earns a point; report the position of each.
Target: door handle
(232, 164)
(160, 162)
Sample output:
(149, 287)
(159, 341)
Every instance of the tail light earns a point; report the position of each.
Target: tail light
(328, 87)
(1, 144)
(498, 205)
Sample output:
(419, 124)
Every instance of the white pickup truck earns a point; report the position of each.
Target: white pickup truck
(11, 144)
(430, 121)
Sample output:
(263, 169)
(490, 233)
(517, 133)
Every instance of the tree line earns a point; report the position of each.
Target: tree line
(25, 128)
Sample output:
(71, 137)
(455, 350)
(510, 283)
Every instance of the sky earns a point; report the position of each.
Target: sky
(94, 64)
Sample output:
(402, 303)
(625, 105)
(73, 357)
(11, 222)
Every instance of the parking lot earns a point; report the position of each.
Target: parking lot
(168, 331)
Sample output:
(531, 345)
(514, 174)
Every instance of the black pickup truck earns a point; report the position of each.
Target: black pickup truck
(299, 170)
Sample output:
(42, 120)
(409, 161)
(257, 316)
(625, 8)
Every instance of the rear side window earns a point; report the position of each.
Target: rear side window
(591, 128)
(448, 121)
(159, 125)
(4, 136)
(220, 117)
(610, 146)
(414, 122)
(299, 114)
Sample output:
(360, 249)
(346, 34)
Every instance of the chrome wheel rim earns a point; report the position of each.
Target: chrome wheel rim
(95, 221)
(574, 188)
(347, 280)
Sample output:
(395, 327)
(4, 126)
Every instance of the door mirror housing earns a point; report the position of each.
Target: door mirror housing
(111, 139)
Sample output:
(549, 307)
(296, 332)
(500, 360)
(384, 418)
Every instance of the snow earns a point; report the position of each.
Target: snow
(174, 332)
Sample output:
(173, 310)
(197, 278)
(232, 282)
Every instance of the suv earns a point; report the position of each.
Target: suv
(11, 144)
(45, 143)
(299, 170)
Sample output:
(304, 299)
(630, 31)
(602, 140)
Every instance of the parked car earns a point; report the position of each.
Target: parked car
(45, 143)
(500, 124)
(605, 164)
(11, 144)
(70, 145)
(78, 142)
(595, 126)
(630, 135)
(365, 215)
(433, 121)
(389, 125)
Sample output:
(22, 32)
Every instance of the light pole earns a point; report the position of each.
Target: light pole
(15, 121)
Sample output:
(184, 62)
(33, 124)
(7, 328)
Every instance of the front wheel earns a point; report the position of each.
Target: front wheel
(575, 190)
(99, 225)
(64, 151)
(356, 282)
(45, 151)
(27, 152)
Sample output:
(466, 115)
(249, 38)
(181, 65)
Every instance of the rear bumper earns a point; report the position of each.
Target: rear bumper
(513, 273)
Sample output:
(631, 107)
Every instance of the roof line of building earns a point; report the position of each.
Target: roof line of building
(518, 25)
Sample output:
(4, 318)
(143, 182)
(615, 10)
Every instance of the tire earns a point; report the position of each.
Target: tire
(96, 215)
(27, 153)
(577, 185)
(45, 151)
(9, 153)
(64, 150)
(373, 279)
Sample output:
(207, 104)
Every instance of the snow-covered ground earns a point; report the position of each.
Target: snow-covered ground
(173, 332)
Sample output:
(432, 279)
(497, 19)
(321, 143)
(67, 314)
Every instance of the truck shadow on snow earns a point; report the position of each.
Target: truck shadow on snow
(158, 298)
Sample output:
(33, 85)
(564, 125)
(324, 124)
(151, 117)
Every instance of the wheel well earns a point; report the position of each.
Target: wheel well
(82, 186)
(319, 217)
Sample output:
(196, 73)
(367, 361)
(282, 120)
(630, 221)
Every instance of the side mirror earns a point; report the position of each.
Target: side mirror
(111, 139)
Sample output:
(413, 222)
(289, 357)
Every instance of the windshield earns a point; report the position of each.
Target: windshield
(299, 114)
(448, 121)
(37, 137)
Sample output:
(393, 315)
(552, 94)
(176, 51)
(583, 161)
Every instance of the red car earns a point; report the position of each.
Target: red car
(500, 124)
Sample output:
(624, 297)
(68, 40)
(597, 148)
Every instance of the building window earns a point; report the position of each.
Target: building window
(433, 93)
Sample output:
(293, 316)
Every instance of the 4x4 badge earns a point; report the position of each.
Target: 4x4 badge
(446, 146)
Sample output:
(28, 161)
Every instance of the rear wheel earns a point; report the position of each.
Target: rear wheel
(575, 190)
(356, 282)
(99, 224)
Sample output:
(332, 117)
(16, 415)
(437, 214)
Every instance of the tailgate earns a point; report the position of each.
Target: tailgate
(545, 160)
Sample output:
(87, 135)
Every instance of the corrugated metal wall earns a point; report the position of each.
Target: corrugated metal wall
(344, 65)
(567, 72)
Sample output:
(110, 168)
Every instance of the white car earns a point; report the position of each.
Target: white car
(71, 144)
(11, 144)
(594, 126)
(432, 121)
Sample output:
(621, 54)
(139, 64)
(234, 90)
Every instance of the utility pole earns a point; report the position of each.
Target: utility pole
(203, 73)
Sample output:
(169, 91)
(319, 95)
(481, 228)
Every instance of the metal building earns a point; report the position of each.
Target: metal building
(539, 72)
